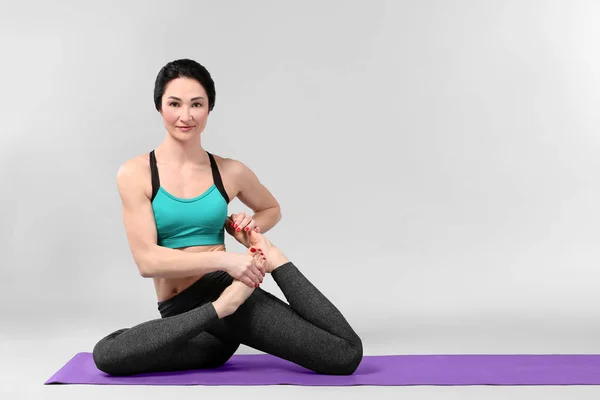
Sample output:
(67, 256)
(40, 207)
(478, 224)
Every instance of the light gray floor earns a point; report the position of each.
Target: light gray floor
(30, 356)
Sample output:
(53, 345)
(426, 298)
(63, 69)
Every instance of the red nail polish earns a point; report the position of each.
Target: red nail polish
(231, 224)
(247, 229)
(252, 249)
(235, 226)
(237, 230)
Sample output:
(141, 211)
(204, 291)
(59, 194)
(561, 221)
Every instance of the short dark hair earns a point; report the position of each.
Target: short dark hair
(183, 68)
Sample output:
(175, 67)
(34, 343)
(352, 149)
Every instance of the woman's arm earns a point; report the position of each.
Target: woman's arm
(153, 260)
(252, 193)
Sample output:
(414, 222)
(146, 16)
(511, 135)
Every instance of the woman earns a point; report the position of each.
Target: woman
(209, 299)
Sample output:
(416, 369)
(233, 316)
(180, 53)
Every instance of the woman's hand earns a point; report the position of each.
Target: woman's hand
(243, 222)
(239, 226)
(248, 268)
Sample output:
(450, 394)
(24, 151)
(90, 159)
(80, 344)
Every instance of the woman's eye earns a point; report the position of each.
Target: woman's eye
(177, 104)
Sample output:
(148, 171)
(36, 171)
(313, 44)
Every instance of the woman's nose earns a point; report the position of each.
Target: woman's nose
(186, 115)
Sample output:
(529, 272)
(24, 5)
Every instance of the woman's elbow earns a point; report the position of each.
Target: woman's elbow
(277, 214)
(145, 266)
(145, 272)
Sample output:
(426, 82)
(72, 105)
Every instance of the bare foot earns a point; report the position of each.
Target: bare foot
(235, 294)
(274, 256)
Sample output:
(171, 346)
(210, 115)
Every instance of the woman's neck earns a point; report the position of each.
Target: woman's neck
(174, 151)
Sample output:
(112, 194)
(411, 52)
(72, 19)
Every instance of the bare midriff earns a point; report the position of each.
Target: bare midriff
(169, 287)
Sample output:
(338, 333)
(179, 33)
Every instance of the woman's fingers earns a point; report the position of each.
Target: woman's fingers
(251, 226)
(248, 282)
(241, 221)
(229, 226)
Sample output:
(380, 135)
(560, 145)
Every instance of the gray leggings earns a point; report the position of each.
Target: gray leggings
(309, 332)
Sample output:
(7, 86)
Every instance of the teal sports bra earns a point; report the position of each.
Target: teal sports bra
(198, 221)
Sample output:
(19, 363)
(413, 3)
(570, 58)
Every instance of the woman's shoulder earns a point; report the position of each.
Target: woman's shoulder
(134, 172)
(230, 166)
(136, 166)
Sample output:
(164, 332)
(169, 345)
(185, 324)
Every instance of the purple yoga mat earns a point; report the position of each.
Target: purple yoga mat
(263, 369)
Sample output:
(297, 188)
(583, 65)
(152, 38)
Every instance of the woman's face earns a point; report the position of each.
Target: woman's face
(184, 108)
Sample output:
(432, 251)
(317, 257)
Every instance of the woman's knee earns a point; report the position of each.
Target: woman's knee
(353, 357)
(106, 358)
(346, 359)
(102, 358)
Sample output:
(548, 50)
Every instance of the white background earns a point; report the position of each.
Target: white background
(436, 163)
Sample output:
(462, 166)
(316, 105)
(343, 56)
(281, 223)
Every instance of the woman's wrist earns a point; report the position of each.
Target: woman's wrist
(225, 261)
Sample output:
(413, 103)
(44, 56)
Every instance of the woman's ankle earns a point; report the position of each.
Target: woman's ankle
(278, 261)
(221, 309)
(282, 267)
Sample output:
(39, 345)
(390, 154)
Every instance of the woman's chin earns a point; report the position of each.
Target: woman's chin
(184, 136)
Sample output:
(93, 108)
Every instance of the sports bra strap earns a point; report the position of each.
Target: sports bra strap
(217, 177)
(154, 174)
